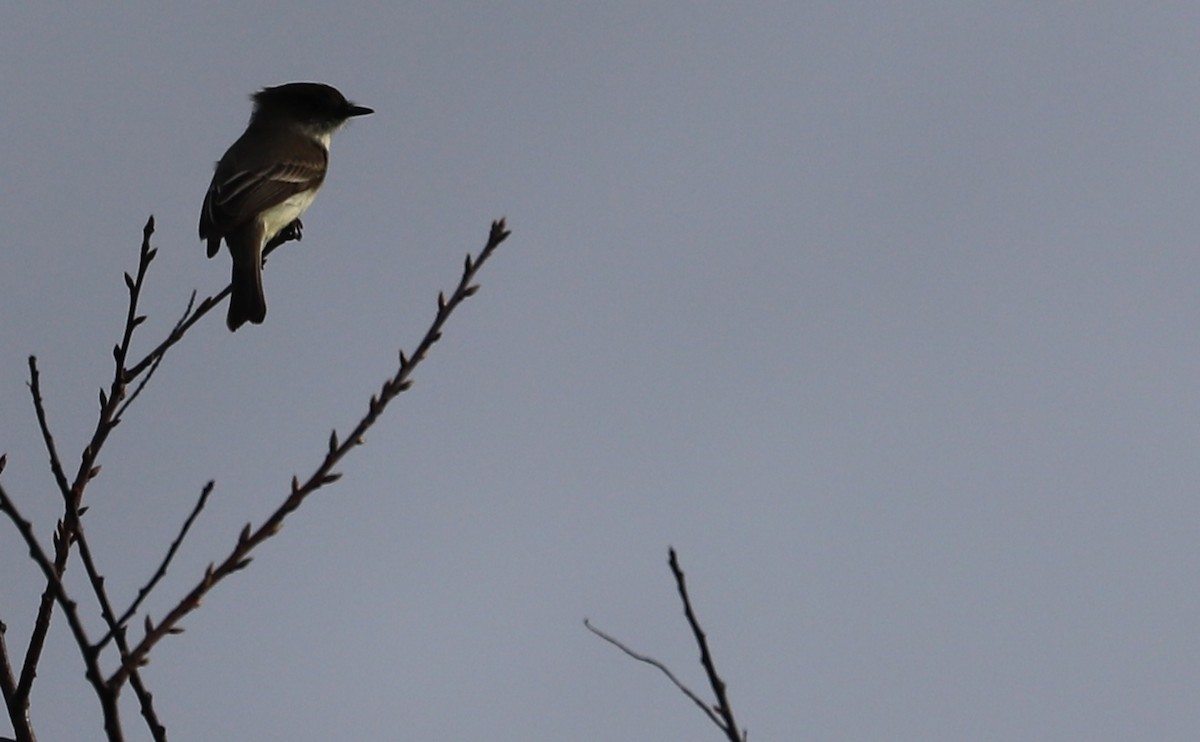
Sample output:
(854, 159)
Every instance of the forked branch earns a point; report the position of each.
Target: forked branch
(250, 538)
(721, 712)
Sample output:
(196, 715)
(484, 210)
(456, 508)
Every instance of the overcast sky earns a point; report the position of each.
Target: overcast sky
(885, 315)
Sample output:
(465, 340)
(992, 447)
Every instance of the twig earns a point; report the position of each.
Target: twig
(39, 408)
(41, 624)
(144, 591)
(18, 708)
(239, 557)
(70, 530)
(714, 680)
(8, 682)
(110, 403)
(18, 712)
(651, 661)
(154, 364)
(185, 323)
(719, 713)
(155, 356)
(145, 698)
(107, 697)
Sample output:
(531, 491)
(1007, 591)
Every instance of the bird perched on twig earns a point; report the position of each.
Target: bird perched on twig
(266, 180)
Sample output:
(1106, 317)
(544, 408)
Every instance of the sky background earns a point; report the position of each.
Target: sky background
(883, 314)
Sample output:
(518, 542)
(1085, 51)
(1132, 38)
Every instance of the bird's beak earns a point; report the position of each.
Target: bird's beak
(355, 110)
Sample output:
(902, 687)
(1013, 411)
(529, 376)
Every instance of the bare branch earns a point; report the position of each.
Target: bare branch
(70, 530)
(718, 685)
(8, 682)
(239, 557)
(39, 408)
(62, 546)
(144, 591)
(111, 402)
(114, 402)
(107, 697)
(155, 362)
(18, 709)
(41, 624)
(651, 661)
(187, 321)
(117, 632)
(719, 713)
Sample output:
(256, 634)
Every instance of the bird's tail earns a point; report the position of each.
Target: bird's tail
(246, 303)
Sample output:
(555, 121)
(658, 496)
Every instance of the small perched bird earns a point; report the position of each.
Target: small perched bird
(266, 180)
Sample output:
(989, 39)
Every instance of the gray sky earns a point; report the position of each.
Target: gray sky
(883, 314)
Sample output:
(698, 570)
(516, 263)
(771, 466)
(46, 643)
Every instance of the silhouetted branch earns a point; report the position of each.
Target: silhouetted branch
(41, 624)
(665, 671)
(108, 698)
(249, 538)
(189, 318)
(70, 529)
(17, 707)
(714, 680)
(39, 408)
(144, 591)
(18, 713)
(110, 403)
(117, 630)
(720, 713)
(154, 363)
(69, 532)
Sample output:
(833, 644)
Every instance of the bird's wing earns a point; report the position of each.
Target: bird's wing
(235, 197)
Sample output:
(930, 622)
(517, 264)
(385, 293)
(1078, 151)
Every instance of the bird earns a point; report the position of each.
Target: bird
(267, 179)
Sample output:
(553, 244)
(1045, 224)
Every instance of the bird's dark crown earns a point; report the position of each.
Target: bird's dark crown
(312, 103)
